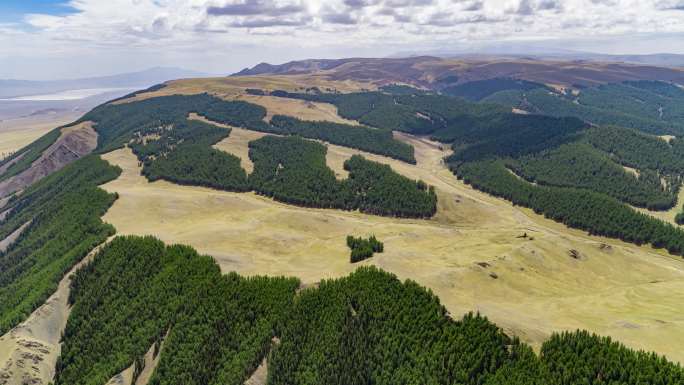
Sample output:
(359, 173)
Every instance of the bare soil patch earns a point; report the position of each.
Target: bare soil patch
(7, 242)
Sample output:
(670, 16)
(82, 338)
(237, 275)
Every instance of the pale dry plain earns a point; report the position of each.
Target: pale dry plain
(469, 254)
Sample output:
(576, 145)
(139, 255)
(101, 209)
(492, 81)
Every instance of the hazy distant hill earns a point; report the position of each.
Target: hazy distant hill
(10, 88)
(661, 59)
(437, 73)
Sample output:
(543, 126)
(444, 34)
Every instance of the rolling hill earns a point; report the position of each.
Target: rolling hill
(436, 73)
(196, 231)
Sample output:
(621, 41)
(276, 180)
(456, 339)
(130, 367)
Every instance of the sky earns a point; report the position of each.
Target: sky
(51, 39)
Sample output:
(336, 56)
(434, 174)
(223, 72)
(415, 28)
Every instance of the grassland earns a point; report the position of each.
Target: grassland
(470, 254)
(230, 88)
(17, 133)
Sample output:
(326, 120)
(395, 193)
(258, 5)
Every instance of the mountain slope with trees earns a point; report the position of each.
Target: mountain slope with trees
(293, 170)
(650, 106)
(63, 211)
(368, 327)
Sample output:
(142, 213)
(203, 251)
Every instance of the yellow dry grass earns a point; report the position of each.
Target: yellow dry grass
(237, 143)
(301, 109)
(631, 170)
(631, 293)
(233, 86)
(667, 215)
(17, 133)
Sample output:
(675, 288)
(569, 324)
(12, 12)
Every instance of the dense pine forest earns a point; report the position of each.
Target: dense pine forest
(376, 141)
(649, 106)
(368, 327)
(639, 150)
(577, 168)
(176, 149)
(209, 328)
(63, 214)
(582, 166)
(477, 90)
(117, 124)
(420, 113)
(183, 154)
(596, 213)
(293, 170)
(363, 248)
(381, 191)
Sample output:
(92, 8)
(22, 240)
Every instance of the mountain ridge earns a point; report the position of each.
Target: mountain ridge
(437, 72)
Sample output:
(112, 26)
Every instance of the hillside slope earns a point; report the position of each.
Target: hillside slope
(190, 152)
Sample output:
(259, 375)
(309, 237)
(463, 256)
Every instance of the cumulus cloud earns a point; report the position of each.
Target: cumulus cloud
(104, 20)
(677, 5)
(330, 26)
(254, 7)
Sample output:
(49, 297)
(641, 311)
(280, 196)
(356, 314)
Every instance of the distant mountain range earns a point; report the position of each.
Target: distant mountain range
(661, 59)
(547, 51)
(20, 88)
(440, 72)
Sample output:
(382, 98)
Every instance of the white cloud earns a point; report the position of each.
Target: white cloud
(228, 34)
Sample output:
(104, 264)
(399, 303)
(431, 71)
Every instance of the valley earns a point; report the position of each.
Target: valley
(612, 289)
(156, 153)
(341, 192)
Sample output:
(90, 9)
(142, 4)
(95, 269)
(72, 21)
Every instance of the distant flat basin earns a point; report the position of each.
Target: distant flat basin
(67, 95)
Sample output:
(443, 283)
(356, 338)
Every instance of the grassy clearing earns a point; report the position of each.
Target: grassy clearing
(232, 87)
(616, 289)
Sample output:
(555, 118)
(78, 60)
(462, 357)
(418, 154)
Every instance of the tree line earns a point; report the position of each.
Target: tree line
(581, 165)
(593, 212)
(182, 154)
(173, 148)
(651, 107)
(545, 149)
(639, 150)
(293, 170)
(480, 89)
(208, 328)
(368, 327)
(376, 141)
(363, 248)
(117, 124)
(64, 211)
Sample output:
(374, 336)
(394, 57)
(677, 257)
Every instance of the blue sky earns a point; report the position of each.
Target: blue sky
(13, 11)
